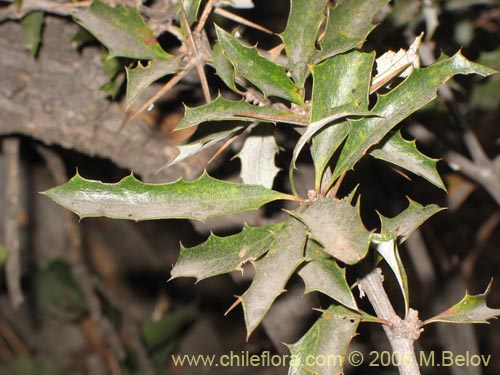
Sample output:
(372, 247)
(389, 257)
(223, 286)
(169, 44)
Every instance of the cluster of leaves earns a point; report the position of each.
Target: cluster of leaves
(321, 43)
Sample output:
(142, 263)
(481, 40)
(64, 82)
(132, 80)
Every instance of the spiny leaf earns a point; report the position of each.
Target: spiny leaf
(191, 7)
(300, 35)
(349, 23)
(403, 153)
(32, 27)
(122, 30)
(323, 274)
(219, 255)
(329, 337)
(410, 219)
(339, 81)
(269, 77)
(412, 94)
(388, 248)
(471, 309)
(224, 109)
(273, 271)
(224, 68)
(257, 157)
(131, 199)
(140, 77)
(338, 227)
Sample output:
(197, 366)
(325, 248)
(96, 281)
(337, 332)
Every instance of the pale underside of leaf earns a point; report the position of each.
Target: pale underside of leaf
(131, 199)
(123, 31)
(412, 94)
(471, 309)
(398, 151)
(257, 157)
(328, 338)
(219, 255)
(338, 227)
(273, 271)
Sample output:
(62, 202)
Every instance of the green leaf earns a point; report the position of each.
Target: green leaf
(219, 255)
(257, 157)
(131, 199)
(269, 77)
(4, 254)
(324, 275)
(140, 77)
(82, 36)
(348, 25)
(410, 219)
(224, 68)
(191, 7)
(339, 81)
(388, 249)
(224, 109)
(412, 94)
(122, 30)
(403, 153)
(32, 26)
(338, 227)
(327, 339)
(273, 271)
(471, 309)
(300, 35)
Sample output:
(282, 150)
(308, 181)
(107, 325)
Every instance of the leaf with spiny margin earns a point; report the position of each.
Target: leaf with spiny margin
(32, 29)
(267, 76)
(224, 68)
(223, 109)
(131, 199)
(219, 132)
(300, 35)
(323, 274)
(191, 7)
(257, 157)
(337, 226)
(411, 94)
(340, 80)
(387, 247)
(471, 309)
(123, 31)
(348, 25)
(273, 271)
(219, 255)
(313, 128)
(410, 219)
(397, 150)
(329, 337)
(140, 77)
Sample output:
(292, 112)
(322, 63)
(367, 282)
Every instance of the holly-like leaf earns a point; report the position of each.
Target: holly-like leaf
(403, 153)
(349, 23)
(219, 255)
(122, 30)
(329, 337)
(267, 76)
(257, 157)
(412, 94)
(140, 77)
(300, 35)
(410, 219)
(323, 274)
(388, 249)
(191, 7)
(32, 27)
(224, 68)
(131, 199)
(343, 80)
(273, 271)
(338, 227)
(471, 309)
(223, 109)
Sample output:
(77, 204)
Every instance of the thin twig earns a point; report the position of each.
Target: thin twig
(10, 148)
(234, 17)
